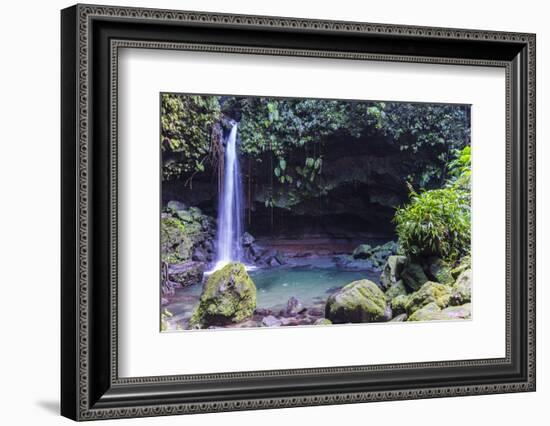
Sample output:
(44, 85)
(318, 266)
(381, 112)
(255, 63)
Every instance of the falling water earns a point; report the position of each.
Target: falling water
(230, 206)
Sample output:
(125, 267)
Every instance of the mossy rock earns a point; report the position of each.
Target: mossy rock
(393, 268)
(430, 292)
(428, 312)
(397, 289)
(322, 321)
(357, 302)
(413, 276)
(464, 264)
(228, 296)
(438, 270)
(398, 304)
(462, 289)
(432, 312)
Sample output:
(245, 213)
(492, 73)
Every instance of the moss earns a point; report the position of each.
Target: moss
(430, 292)
(359, 301)
(465, 263)
(395, 290)
(429, 312)
(322, 321)
(229, 296)
(462, 289)
(398, 304)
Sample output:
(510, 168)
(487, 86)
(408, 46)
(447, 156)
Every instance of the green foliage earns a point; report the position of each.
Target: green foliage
(186, 127)
(438, 222)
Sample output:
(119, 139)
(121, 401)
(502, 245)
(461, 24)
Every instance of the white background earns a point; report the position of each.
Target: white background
(141, 345)
(29, 215)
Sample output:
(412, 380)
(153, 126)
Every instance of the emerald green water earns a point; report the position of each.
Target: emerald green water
(309, 284)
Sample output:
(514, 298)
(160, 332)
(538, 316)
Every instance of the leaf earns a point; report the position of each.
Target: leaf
(310, 161)
(282, 163)
(277, 171)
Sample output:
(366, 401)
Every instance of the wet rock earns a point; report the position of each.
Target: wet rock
(186, 273)
(263, 312)
(200, 255)
(247, 239)
(271, 321)
(399, 318)
(228, 296)
(363, 251)
(294, 307)
(357, 302)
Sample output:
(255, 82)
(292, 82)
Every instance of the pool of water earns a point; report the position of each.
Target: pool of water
(311, 285)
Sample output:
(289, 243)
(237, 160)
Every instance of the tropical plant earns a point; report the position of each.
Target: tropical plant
(438, 222)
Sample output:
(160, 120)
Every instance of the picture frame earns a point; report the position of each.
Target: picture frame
(91, 388)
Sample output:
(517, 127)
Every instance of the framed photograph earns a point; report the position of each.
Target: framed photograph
(263, 212)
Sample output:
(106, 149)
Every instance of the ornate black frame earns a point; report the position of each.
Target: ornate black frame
(91, 37)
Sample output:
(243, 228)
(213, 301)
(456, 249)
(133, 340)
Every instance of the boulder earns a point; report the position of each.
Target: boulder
(413, 276)
(228, 296)
(465, 263)
(357, 302)
(439, 271)
(322, 321)
(175, 206)
(271, 321)
(294, 307)
(397, 289)
(430, 292)
(428, 312)
(363, 251)
(432, 312)
(392, 270)
(462, 289)
(186, 273)
(398, 304)
(399, 318)
(247, 239)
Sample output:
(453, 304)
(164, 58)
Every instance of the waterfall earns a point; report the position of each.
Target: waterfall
(229, 230)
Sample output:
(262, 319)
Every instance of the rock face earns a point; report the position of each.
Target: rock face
(228, 296)
(357, 302)
(462, 289)
(393, 268)
(186, 273)
(413, 276)
(186, 234)
(430, 292)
